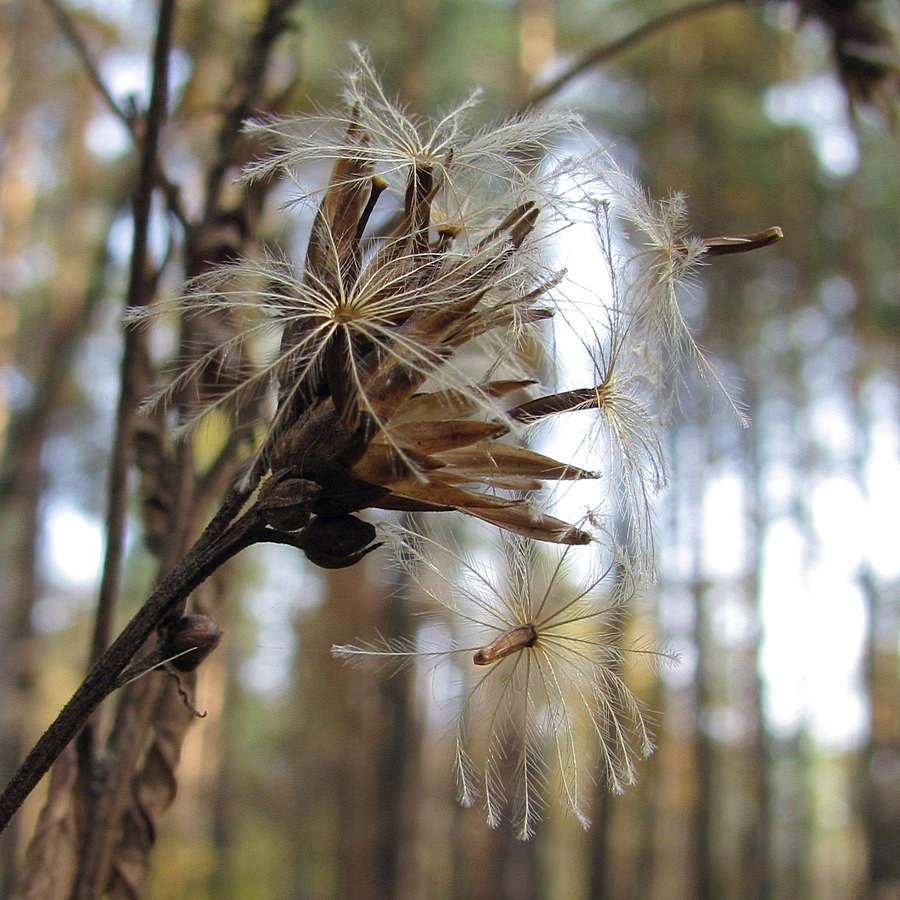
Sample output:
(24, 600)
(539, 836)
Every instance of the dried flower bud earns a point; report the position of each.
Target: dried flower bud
(285, 501)
(334, 542)
(189, 640)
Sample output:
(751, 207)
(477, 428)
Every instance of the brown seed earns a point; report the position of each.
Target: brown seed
(506, 644)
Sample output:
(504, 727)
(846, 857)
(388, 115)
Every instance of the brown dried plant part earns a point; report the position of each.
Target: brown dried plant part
(513, 640)
(52, 855)
(372, 336)
(153, 787)
(743, 243)
(390, 446)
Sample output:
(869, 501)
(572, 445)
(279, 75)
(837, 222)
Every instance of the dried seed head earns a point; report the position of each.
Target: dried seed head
(373, 335)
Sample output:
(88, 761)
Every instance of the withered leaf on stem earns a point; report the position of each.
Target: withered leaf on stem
(52, 855)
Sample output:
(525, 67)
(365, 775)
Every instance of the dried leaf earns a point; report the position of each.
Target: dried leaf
(153, 790)
(432, 437)
(521, 519)
(51, 860)
(507, 460)
(454, 402)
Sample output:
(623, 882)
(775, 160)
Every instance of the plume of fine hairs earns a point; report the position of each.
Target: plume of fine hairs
(626, 421)
(626, 430)
(666, 266)
(487, 162)
(542, 704)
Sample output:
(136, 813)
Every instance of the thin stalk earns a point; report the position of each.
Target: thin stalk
(133, 374)
(601, 55)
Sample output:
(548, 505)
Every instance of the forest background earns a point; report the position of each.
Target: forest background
(777, 772)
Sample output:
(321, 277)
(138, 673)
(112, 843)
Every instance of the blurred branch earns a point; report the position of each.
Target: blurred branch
(133, 381)
(134, 364)
(597, 56)
(142, 750)
(71, 34)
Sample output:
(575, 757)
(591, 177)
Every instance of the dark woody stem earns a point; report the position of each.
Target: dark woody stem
(226, 535)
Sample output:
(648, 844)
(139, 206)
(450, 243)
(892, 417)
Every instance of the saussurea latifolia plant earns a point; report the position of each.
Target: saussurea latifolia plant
(404, 366)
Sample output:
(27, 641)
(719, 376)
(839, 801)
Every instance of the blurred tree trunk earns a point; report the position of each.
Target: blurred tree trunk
(21, 489)
(354, 741)
(499, 865)
(45, 350)
(878, 779)
(755, 850)
(45, 311)
(606, 866)
(647, 858)
(398, 766)
(878, 768)
(598, 846)
(703, 825)
(228, 785)
(794, 835)
(880, 794)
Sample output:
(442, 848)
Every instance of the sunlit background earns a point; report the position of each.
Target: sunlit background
(778, 771)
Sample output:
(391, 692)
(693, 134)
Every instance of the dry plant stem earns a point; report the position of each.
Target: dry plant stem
(133, 722)
(127, 741)
(223, 538)
(134, 371)
(597, 56)
(134, 368)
